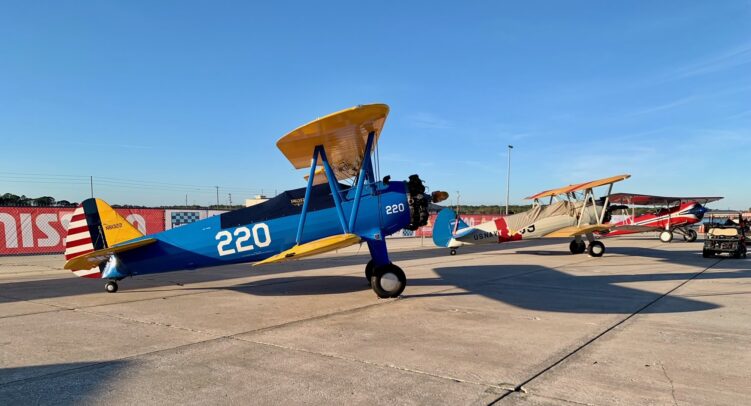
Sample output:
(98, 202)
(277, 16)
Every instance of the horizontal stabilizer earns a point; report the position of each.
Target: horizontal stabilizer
(316, 247)
(95, 258)
(574, 231)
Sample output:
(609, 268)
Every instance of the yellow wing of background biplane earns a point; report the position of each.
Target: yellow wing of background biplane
(342, 134)
(579, 186)
(574, 231)
(320, 176)
(316, 247)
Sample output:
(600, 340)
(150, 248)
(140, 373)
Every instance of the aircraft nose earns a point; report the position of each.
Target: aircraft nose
(419, 202)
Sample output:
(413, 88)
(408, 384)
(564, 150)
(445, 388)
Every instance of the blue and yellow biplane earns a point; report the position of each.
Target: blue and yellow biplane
(324, 216)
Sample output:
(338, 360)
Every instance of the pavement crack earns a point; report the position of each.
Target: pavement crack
(672, 386)
(604, 332)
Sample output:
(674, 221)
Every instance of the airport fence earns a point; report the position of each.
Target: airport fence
(41, 230)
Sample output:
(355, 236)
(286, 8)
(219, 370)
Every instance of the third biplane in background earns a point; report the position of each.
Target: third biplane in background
(674, 215)
(572, 211)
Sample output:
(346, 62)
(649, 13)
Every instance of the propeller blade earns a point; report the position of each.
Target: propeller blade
(438, 196)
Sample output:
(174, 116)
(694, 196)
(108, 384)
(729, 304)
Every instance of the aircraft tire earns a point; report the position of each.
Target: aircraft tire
(453, 251)
(369, 270)
(666, 236)
(596, 249)
(577, 247)
(110, 287)
(690, 235)
(388, 281)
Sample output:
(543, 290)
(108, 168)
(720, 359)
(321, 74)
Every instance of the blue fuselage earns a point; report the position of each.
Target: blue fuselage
(225, 239)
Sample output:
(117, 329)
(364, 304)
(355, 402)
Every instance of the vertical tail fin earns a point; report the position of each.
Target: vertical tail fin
(95, 226)
(445, 224)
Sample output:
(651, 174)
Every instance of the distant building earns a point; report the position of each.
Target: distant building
(255, 200)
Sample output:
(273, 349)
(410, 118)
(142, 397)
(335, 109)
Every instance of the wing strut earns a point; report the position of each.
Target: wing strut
(366, 170)
(305, 201)
(365, 173)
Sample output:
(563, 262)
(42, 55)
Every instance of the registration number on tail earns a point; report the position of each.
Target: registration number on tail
(243, 238)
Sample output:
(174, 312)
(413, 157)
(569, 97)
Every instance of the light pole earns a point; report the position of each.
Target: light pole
(508, 176)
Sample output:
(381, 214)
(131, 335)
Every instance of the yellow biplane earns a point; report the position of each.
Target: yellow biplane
(570, 211)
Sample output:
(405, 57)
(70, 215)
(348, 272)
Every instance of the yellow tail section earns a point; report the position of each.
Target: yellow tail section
(115, 228)
(93, 229)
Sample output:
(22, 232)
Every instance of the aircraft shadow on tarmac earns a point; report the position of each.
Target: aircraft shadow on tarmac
(69, 285)
(53, 384)
(693, 258)
(529, 287)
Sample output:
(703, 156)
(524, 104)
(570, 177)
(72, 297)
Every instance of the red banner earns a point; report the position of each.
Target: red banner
(41, 230)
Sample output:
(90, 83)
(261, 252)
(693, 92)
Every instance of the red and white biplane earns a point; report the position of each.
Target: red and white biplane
(674, 215)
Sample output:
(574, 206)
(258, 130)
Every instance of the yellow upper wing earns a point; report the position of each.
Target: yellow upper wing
(313, 248)
(342, 134)
(579, 186)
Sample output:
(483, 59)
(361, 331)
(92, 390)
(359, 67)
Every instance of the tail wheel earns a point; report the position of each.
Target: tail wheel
(369, 270)
(577, 247)
(388, 281)
(596, 249)
(690, 235)
(666, 236)
(453, 251)
(110, 287)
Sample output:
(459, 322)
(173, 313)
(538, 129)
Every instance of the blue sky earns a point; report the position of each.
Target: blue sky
(154, 99)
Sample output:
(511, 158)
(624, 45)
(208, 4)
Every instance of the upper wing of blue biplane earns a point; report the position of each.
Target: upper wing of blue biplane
(343, 136)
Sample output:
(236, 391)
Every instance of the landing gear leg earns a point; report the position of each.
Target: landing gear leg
(387, 280)
(110, 287)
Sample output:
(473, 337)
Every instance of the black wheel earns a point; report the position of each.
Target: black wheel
(577, 247)
(707, 253)
(596, 249)
(690, 235)
(369, 270)
(388, 281)
(453, 251)
(666, 236)
(110, 287)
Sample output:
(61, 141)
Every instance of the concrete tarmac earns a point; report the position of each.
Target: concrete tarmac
(522, 323)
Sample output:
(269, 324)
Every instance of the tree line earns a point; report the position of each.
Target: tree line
(9, 199)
